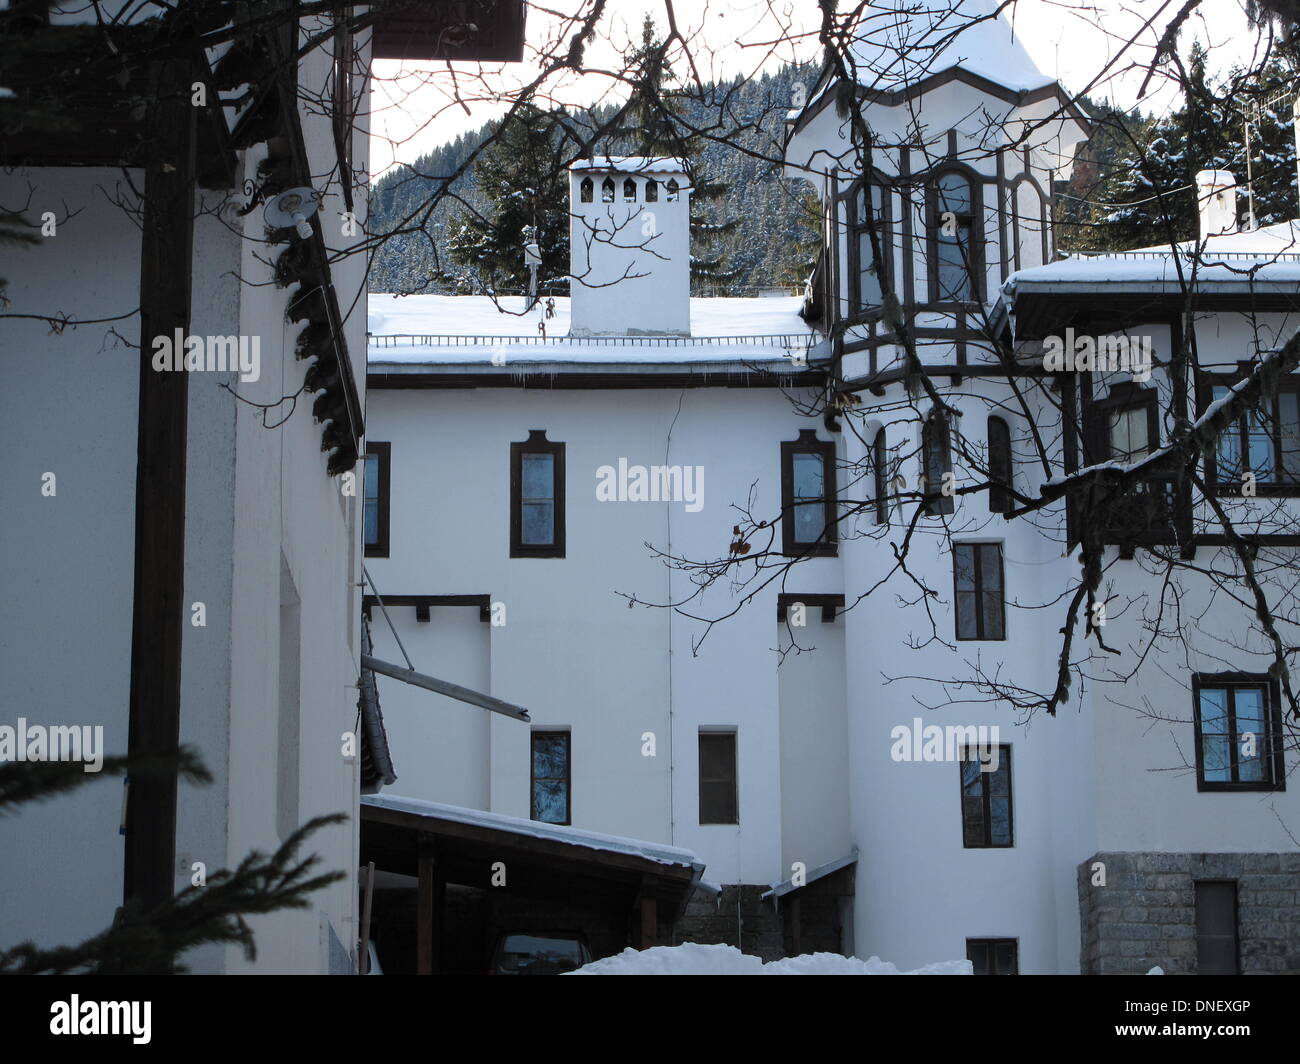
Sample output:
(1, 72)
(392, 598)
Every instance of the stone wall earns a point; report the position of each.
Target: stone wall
(1145, 914)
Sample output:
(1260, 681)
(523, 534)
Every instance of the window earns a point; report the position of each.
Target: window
(585, 190)
(375, 514)
(629, 190)
(718, 803)
(1238, 733)
(607, 190)
(1125, 426)
(993, 956)
(999, 466)
(977, 580)
(1217, 951)
(537, 497)
(808, 496)
(673, 189)
(550, 777)
(652, 191)
(870, 281)
(936, 454)
(954, 247)
(986, 797)
(1264, 442)
(880, 475)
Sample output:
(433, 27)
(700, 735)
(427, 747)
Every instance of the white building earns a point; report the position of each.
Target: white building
(546, 476)
(118, 468)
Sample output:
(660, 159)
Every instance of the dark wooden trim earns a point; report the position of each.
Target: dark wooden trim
(423, 603)
(158, 611)
(856, 228)
(384, 453)
(905, 212)
(550, 733)
(986, 795)
(426, 32)
(1275, 760)
(828, 603)
(537, 443)
(828, 544)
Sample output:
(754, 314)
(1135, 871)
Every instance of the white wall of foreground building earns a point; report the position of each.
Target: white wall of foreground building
(272, 550)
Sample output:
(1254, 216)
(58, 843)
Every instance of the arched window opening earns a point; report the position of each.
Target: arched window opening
(880, 475)
(870, 280)
(952, 224)
(652, 191)
(629, 190)
(999, 466)
(936, 451)
(585, 190)
(607, 190)
(674, 189)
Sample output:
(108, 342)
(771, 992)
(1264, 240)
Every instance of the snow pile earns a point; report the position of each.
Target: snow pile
(691, 958)
(1157, 970)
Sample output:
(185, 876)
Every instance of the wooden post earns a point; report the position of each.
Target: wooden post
(649, 923)
(149, 873)
(424, 914)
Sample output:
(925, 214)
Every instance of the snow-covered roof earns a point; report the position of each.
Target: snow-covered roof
(636, 164)
(1267, 256)
(657, 852)
(431, 330)
(900, 42)
(695, 958)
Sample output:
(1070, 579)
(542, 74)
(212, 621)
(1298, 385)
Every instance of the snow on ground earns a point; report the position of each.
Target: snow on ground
(692, 958)
(457, 330)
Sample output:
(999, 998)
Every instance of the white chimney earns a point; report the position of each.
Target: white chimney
(629, 247)
(1216, 199)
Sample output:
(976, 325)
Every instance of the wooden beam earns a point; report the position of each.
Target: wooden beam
(424, 910)
(158, 610)
(649, 923)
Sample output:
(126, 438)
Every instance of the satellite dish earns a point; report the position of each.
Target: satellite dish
(293, 207)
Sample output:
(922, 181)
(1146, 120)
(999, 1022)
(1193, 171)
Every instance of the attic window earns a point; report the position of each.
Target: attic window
(673, 190)
(585, 190)
(607, 190)
(629, 190)
(652, 191)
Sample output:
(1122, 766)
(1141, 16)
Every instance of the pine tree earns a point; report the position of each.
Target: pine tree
(153, 941)
(523, 177)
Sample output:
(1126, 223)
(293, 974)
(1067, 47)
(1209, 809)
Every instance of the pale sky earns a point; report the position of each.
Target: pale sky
(420, 106)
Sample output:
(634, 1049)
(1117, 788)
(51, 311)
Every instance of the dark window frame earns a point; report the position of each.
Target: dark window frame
(986, 795)
(720, 733)
(629, 190)
(975, 265)
(936, 456)
(1001, 467)
(383, 453)
(827, 546)
(551, 733)
(1124, 396)
(1236, 922)
(608, 190)
(880, 475)
(990, 944)
(856, 228)
(651, 190)
(537, 443)
(978, 570)
(1205, 385)
(586, 190)
(1273, 757)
